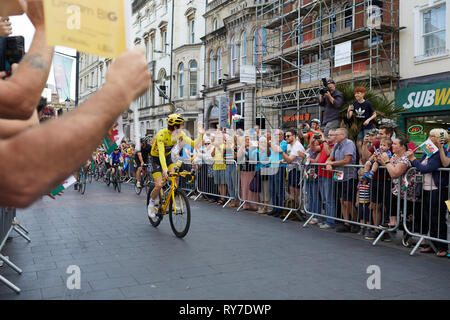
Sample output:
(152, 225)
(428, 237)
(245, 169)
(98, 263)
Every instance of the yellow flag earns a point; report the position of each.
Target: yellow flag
(97, 27)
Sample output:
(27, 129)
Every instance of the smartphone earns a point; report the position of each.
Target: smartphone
(12, 50)
(442, 138)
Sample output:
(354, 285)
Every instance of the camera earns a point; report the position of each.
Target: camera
(325, 88)
(317, 137)
(12, 49)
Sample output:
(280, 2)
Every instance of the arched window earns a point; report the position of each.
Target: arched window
(219, 63)
(181, 81)
(193, 78)
(233, 56)
(162, 83)
(348, 15)
(215, 25)
(243, 49)
(332, 21)
(318, 27)
(259, 46)
(211, 69)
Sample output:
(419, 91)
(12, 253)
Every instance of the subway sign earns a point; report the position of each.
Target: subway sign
(424, 98)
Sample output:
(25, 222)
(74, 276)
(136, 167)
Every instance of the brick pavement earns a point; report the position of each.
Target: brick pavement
(226, 255)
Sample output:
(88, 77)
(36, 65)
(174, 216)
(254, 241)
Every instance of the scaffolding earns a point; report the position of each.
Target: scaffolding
(298, 50)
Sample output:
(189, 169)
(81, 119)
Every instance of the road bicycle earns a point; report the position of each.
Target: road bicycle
(146, 180)
(115, 178)
(174, 202)
(82, 181)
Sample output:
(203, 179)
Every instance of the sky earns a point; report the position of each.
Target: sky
(22, 26)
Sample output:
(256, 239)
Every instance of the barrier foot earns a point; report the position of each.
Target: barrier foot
(307, 221)
(379, 237)
(229, 200)
(23, 235)
(9, 284)
(190, 192)
(416, 246)
(10, 264)
(288, 215)
(241, 205)
(196, 198)
(17, 224)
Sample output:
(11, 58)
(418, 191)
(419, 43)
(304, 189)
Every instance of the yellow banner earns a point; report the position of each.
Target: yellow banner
(95, 27)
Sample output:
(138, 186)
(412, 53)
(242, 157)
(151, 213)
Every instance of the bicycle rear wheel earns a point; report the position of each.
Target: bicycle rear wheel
(157, 220)
(82, 182)
(90, 173)
(118, 182)
(180, 214)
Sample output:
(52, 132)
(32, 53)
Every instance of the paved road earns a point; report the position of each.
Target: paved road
(224, 256)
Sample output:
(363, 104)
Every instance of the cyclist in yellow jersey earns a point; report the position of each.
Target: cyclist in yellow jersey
(160, 156)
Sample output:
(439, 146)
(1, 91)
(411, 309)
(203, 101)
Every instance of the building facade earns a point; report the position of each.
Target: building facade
(230, 38)
(424, 87)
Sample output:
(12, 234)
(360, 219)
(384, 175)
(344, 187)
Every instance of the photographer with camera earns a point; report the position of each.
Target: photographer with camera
(313, 131)
(333, 100)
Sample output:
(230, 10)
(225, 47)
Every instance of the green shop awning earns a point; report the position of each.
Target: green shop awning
(424, 98)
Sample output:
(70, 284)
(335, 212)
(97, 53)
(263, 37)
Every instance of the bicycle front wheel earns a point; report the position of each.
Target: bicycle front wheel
(179, 214)
(118, 182)
(83, 183)
(156, 220)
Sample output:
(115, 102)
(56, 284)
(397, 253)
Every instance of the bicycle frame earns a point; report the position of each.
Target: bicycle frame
(173, 186)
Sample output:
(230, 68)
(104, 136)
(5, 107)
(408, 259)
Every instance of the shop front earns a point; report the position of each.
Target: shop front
(427, 107)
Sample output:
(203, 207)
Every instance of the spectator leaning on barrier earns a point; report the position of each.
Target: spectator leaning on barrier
(261, 154)
(444, 150)
(435, 193)
(312, 182)
(380, 187)
(231, 170)
(396, 166)
(344, 153)
(219, 166)
(40, 148)
(313, 130)
(326, 190)
(333, 101)
(276, 181)
(247, 164)
(293, 157)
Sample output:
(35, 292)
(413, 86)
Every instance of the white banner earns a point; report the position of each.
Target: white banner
(248, 74)
(343, 54)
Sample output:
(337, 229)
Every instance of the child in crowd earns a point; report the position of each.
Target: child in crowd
(372, 165)
(363, 202)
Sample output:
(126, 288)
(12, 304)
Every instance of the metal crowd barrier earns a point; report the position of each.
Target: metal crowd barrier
(219, 180)
(427, 218)
(272, 184)
(324, 190)
(184, 184)
(7, 216)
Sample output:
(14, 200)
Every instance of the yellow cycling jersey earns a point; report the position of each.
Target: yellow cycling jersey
(164, 141)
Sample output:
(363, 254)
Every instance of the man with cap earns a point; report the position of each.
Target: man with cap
(332, 100)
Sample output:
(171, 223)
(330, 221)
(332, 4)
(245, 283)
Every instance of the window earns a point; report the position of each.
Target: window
(193, 78)
(318, 27)
(433, 36)
(147, 45)
(219, 63)
(259, 47)
(152, 41)
(233, 56)
(215, 25)
(211, 69)
(299, 34)
(348, 16)
(378, 16)
(239, 102)
(192, 31)
(243, 49)
(164, 41)
(165, 5)
(333, 21)
(181, 80)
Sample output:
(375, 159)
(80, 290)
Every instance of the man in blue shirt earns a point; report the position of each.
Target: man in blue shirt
(276, 181)
(344, 153)
(115, 161)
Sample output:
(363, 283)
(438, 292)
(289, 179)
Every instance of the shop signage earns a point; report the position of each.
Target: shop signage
(294, 117)
(424, 98)
(415, 129)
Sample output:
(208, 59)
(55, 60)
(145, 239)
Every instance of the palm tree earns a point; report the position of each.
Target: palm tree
(384, 107)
